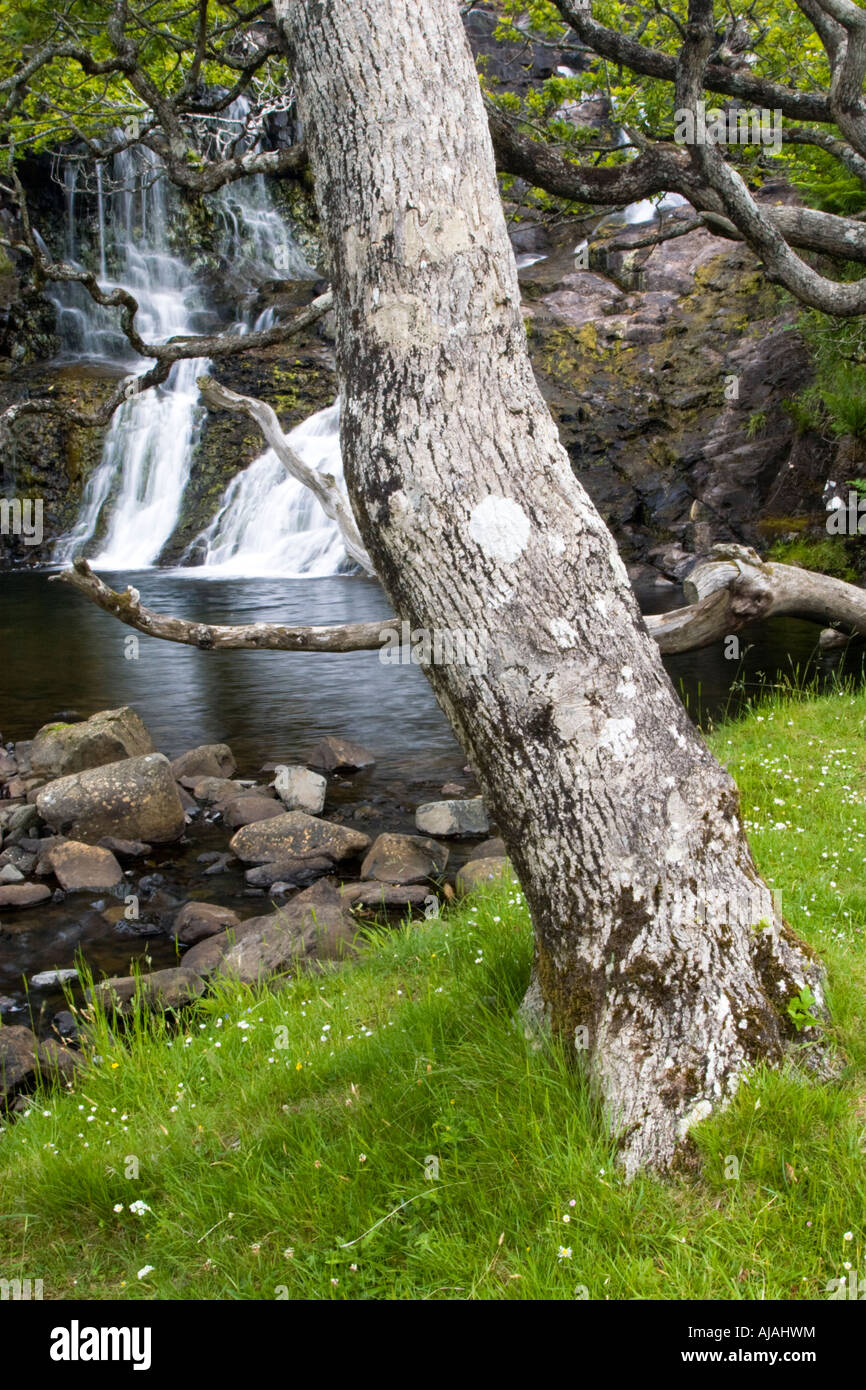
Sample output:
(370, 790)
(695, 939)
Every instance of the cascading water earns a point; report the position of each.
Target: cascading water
(266, 523)
(270, 524)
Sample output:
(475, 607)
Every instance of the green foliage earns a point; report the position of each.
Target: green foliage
(825, 556)
(800, 1008)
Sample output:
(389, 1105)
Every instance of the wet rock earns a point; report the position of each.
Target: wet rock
(295, 873)
(295, 835)
(314, 926)
(19, 1059)
(404, 859)
(81, 868)
(59, 1063)
(107, 737)
(339, 755)
(19, 858)
(125, 849)
(51, 979)
(248, 810)
(299, 789)
(453, 818)
(64, 1025)
(18, 895)
(210, 760)
(16, 821)
(220, 864)
(189, 803)
(385, 894)
(490, 849)
(197, 921)
(135, 799)
(479, 872)
(452, 789)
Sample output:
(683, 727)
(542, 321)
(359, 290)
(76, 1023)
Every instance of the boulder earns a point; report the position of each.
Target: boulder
(479, 872)
(204, 957)
(292, 873)
(295, 835)
(490, 849)
(135, 799)
(404, 859)
(210, 760)
(58, 1062)
(301, 790)
(339, 755)
(314, 926)
(18, 895)
(19, 1059)
(248, 810)
(81, 868)
(453, 818)
(384, 894)
(107, 737)
(164, 989)
(197, 921)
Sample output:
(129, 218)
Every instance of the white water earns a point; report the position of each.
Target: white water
(266, 523)
(270, 524)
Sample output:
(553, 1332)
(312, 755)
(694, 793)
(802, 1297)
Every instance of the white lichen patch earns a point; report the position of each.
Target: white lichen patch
(500, 527)
(556, 543)
(563, 634)
(618, 736)
(626, 686)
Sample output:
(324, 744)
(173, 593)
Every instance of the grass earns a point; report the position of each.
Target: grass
(387, 1131)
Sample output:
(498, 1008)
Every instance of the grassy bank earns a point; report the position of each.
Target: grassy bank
(386, 1131)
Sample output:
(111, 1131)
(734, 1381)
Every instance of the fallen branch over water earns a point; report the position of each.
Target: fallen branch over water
(731, 588)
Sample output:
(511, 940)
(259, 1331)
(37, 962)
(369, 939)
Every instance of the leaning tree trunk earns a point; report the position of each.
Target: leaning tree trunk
(624, 830)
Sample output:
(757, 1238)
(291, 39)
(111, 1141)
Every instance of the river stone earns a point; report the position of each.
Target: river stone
(135, 799)
(301, 790)
(479, 872)
(17, 895)
(197, 921)
(125, 849)
(248, 810)
(107, 737)
(454, 818)
(384, 894)
(11, 874)
(404, 859)
(293, 873)
(59, 1062)
(8, 766)
(172, 988)
(339, 755)
(19, 1058)
(315, 925)
(81, 868)
(210, 760)
(295, 835)
(490, 849)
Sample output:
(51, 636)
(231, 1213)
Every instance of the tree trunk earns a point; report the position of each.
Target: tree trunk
(624, 830)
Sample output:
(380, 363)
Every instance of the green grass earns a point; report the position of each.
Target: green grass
(284, 1142)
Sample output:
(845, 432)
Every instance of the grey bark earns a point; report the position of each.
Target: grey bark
(624, 830)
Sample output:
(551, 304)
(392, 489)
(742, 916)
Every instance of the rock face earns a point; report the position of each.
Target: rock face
(107, 737)
(210, 760)
(296, 835)
(339, 755)
(453, 818)
(81, 868)
(299, 789)
(478, 872)
(197, 921)
(404, 859)
(135, 799)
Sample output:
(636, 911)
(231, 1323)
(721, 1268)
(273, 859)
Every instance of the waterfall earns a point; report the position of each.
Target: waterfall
(270, 524)
(132, 502)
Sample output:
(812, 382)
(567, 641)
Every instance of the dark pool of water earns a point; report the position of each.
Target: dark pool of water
(59, 653)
